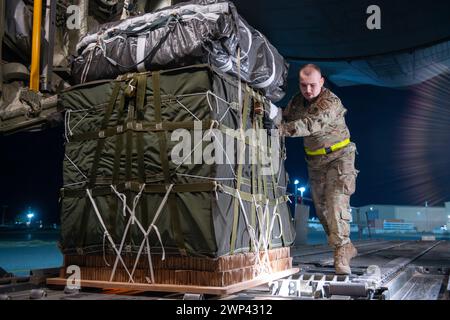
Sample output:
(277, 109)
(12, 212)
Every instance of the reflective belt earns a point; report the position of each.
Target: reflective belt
(328, 150)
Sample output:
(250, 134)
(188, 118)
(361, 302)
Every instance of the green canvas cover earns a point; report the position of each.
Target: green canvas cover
(119, 150)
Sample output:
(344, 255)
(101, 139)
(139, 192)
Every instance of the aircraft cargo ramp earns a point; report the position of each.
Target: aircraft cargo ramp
(383, 270)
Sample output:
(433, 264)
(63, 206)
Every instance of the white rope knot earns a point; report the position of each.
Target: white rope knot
(135, 203)
(67, 131)
(217, 187)
(214, 124)
(122, 197)
(276, 215)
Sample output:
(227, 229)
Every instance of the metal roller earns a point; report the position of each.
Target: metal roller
(348, 289)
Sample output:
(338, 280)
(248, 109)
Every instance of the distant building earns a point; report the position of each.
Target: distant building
(404, 218)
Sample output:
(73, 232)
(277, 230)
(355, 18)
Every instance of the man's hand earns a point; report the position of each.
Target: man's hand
(287, 129)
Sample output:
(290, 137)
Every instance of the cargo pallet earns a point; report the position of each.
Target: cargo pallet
(182, 274)
(209, 290)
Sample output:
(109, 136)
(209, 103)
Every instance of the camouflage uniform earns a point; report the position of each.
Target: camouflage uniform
(332, 176)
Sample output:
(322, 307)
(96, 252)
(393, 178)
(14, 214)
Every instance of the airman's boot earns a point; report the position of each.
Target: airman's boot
(342, 257)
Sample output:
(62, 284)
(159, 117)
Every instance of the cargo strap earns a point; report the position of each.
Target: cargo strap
(275, 192)
(267, 236)
(135, 187)
(119, 142)
(262, 201)
(140, 112)
(101, 142)
(161, 189)
(172, 202)
(129, 146)
(264, 208)
(93, 173)
(129, 92)
(248, 197)
(142, 126)
(241, 154)
(325, 151)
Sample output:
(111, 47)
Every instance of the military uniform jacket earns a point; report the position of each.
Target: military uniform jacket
(320, 121)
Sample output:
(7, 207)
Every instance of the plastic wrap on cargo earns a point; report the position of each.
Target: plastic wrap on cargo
(192, 32)
(18, 24)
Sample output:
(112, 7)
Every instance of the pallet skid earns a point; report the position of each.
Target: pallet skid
(185, 274)
(209, 290)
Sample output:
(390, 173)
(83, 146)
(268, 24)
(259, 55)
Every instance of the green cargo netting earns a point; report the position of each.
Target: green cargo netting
(119, 150)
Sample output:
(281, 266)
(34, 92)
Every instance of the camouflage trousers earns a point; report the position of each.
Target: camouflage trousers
(332, 180)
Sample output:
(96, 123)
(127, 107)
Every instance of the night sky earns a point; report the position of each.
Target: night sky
(31, 173)
(402, 139)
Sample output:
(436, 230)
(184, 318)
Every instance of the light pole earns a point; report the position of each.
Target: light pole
(296, 182)
(302, 190)
(368, 224)
(30, 216)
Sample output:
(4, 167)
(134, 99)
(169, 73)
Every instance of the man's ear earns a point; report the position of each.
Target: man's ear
(322, 81)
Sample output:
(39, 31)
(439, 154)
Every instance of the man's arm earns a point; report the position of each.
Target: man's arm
(316, 119)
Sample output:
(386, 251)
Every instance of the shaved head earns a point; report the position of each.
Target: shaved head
(311, 81)
(309, 68)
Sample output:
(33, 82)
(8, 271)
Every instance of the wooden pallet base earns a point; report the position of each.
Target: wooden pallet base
(182, 270)
(263, 279)
(177, 262)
